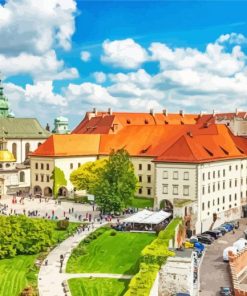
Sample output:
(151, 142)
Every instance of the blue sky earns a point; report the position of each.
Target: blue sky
(69, 56)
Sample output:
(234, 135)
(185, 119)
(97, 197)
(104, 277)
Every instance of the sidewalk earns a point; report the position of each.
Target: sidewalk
(50, 279)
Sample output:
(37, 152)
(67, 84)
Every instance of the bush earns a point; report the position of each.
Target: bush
(80, 251)
(62, 224)
(81, 199)
(113, 233)
(87, 240)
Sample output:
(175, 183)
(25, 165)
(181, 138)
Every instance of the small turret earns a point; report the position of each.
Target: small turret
(61, 125)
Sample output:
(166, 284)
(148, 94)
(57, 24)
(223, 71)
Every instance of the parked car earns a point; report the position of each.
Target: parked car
(205, 240)
(240, 244)
(228, 226)
(226, 291)
(208, 236)
(188, 245)
(222, 230)
(193, 239)
(226, 251)
(199, 246)
(215, 234)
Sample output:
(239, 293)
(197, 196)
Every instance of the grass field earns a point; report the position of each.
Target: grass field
(141, 202)
(111, 254)
(20, 272)
(98, 287)
(15, 274)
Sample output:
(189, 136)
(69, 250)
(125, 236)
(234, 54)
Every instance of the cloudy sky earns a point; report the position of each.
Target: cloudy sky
(64, 57)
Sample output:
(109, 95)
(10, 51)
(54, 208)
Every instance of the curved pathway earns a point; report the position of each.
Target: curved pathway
(51, 278)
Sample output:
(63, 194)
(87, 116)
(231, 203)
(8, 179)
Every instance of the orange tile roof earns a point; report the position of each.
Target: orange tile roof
(103, 122)
(69, 145)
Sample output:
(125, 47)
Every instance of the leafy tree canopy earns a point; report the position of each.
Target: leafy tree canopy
(87, 175)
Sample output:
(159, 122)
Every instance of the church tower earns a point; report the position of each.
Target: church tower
(4, 104)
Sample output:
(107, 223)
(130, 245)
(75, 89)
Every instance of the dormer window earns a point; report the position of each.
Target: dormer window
(128, 121)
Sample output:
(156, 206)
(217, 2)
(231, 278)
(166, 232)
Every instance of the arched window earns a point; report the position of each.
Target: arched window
(27, 149)
(39, 144)
(14, 150)
(22, 177)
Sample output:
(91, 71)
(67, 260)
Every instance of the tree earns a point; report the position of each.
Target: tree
(59, 180)
(116, 183)
(87, 175)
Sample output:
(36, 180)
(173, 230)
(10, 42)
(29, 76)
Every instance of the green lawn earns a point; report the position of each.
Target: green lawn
(98, 287)
(19, 272)
(15, 274)
(111, 254)
(141, 202)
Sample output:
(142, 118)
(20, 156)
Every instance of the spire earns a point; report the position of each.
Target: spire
(4, 104)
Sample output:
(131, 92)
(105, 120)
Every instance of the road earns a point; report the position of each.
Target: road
(215, 273)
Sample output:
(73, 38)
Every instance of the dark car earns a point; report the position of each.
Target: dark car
(222, 230)
(226, 291)
(214, 234)
(204, 240)
(228, 226)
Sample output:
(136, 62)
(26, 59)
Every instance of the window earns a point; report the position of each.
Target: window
(230, 183)
(140, 178)
(235, 196)
(42, 166)
(175, 175)
(224, 173)
(149, 167)
(148, 191)
(208, 188)
(140, 190)
(186, 190)
(140, 166)
(242, 166)
(218, 185)
(47, 167)
(236, 182)
(149, 179)
(203, 206)
(208, 204)
(230, 167)
(218, 174)
(218, 201)
(236, 167)
(165, 189)
(175, 189)
(203, 190)
(27, 149)
(208, 175)
(79, 164)
(186, 175)
(42, 178)
(213, 174)
(14, 150)
(230, 197)
(223, 199)
(36, 165)
(165, 175)
(214, 187)
(213, 202)
(36, 177)
(71, 166)
(224, 185)
(47, 178)
(22, 177)
(203, 176)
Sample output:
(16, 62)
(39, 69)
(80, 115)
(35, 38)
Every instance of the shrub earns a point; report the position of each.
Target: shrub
(80, 251)
(62, 224)
(87, 240)
(113, 233)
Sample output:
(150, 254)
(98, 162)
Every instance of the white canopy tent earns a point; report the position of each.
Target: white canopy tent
(148, 217)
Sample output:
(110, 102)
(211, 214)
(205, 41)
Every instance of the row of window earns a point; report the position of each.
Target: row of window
(148, 191)
(175, 175)
(27, 149)
(218, 173)
(148, 166)
(175, 189)
(221, 186)
(149, 178)
(42, 178)
(42, 166)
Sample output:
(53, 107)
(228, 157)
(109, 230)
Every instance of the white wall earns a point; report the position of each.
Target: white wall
(21, 147)
(65, 165)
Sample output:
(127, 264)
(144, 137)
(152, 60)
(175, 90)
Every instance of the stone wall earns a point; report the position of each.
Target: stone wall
(238, 267)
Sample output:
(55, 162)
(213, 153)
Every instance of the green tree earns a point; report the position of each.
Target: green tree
(117, 182)
(59, 180)
(87, 175)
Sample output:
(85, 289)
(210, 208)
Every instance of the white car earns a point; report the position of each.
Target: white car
(226, 253)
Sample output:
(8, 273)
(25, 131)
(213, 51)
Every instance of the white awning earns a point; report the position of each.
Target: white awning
(148, 217)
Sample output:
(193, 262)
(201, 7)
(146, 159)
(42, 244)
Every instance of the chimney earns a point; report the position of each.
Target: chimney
(47, 127)
(151, 111)
(190, 134)
(95, 111)
(109, 111)
(165, 112)
(181, 112)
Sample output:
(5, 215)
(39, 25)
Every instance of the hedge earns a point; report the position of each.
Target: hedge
(153, 256)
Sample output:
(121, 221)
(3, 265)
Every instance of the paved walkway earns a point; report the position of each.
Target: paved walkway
(50, 278)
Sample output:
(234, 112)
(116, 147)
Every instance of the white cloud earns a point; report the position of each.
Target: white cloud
(232, 38)
(85, 56)
(125, 53)
(100, 77)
